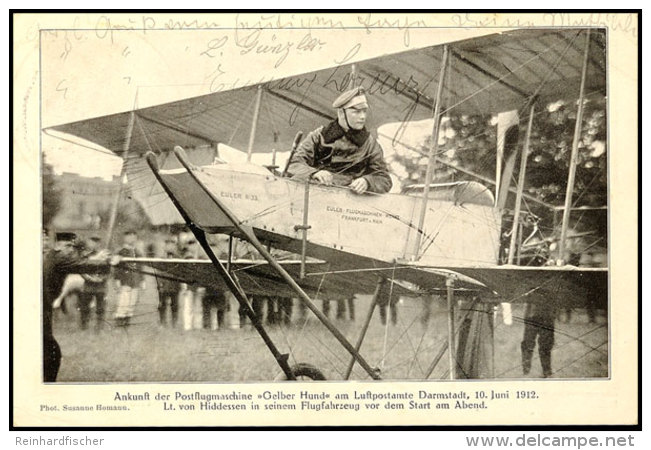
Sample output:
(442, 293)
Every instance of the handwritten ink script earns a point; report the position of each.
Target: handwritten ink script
(404, 23)
(620, 23)
(253, 36)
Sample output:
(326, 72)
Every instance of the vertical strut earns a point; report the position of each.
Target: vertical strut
(519, 245)
(575, 151)
(123, 174)
(230, 254)
(518, 197)
(254, 124)
(432, 151)
(367, 322)
(444, 347)
(452, 352)
(304, 227)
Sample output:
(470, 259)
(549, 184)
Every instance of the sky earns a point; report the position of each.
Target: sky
(81, 157)
(84, 158)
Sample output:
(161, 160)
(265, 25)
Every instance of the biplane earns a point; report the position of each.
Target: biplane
(432, 238)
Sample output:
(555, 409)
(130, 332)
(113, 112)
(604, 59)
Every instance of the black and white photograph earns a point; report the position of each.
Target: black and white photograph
(293, 215)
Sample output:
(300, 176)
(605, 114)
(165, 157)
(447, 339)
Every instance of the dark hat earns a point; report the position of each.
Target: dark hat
(170, 241)
(350, 98)
(129, 232)
(66, 236)
(95, 238)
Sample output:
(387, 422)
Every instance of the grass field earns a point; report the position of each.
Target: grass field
(148, 352)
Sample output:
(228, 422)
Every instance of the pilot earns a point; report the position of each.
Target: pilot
(343, 152)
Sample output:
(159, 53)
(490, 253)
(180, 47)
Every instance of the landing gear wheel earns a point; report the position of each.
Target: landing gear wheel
(303, 372)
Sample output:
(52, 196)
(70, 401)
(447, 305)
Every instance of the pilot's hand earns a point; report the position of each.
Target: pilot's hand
(323, 177)
(359, 185)
(115, 260)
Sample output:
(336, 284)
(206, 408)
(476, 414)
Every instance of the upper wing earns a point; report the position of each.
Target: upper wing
(489, 74)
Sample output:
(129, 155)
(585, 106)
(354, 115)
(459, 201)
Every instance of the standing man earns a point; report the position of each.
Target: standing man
(58, 262)
(94, 288)
(215, 299)
(191, 293)
(539, 320)
(128, 281)
(387, 299)
(344, 304)
(168, 290)
(343, 152)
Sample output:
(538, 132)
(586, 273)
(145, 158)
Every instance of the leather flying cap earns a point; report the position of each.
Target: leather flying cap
(350, 98)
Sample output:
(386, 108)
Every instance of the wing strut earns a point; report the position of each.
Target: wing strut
(250, 236)
(123, 174)
(432, 151)
(233, 286)
(304, 227)
(575, 151)
(449, 283)
(367, 322)
(254, 125)
(445, 344)
(518, 199)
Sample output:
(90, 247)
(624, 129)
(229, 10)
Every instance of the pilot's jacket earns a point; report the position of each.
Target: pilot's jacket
(348, 155)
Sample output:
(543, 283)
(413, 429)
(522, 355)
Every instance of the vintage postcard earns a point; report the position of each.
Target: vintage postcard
(325, 219)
